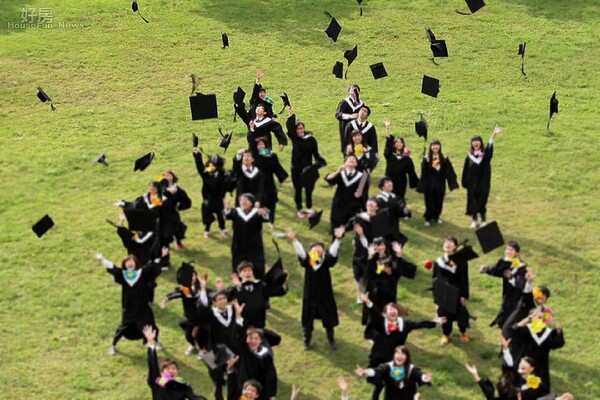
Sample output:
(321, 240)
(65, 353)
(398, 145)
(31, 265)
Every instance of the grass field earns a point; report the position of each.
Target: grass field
(122, 85)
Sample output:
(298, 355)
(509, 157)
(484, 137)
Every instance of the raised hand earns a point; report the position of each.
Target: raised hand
(339, 232)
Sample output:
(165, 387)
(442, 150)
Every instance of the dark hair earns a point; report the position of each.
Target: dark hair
(298, 123)
(545, 291)
(406, 365)
(249, 196)
(451, 239)
(216, 160)
(244, 264)
(430, 154)
(505, 385)
(167, 363)
(158, 186)
(382, 181)
(131, 257)
(379, 240)
(401, 140)
(317, 243)
(252, 331)
(354, 85)
(530, 361)
(254, 383)
(514, 245)
(366, 108)
(262, 89)
(474, 139)
(401, 310)
(356, 133)
(175, 178)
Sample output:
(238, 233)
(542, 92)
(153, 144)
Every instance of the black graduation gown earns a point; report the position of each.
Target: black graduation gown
(249, 182)
(458, 276)
(345, 108)
(173, 390)
(400, 169)
(143, 246)
(135, 298)
(304, 149)
(361, 253)
(213, 190)
(382, 288)
(476, 178)
(255, 101)
(433, 185)
(264, 128)
(247, 242)
(270, 167)
(489, 390)
(512, 288)
(525, 343)
(345, 204)
(255, 295)
(179, 201)
(384, 343)
(399, 390)
(368, 131)
(318, 301)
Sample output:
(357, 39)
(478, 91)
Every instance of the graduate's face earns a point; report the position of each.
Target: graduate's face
(363, 113)
(319, 249)
(300, 130)
(525, 368)
(399, 357)
(435, 148)
(253, 341)
(247, 274)
(168, 176)
(388, 186)
(262, 94)
(171, 370)
(380, 247)
(476, 145)
(152, 190)
(260, 145)
(245, 203)
(449, 247)
(250, 392)
(391, 313)
(372, 207)
(398, 145)
(247, 159)
(130, 264)
(260, 111)
(510, 252)
(357, 138)
(220, 301)
(351, 162)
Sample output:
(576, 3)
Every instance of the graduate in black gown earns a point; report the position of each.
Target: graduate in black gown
(270, 167)
(346, 201)
(318, 301)
(347, 110)
(264, 126)
(366, 159)
(477, 177)
(259, 96)
(135, 299)
(213, 177)
(389, 329)
(436, 170)
(363, 237)
(249, 178)
(247, 242)
(513, 272)
(399, 166)
(178, 201)
(506, 387)
(143, 245)
(365, 127)
(304, 149)
(399, 376)
(162, 379)
(457, 275)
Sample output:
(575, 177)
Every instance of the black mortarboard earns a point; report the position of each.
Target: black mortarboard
(225, 39)
(309, 175)
(378, 70)
(225, 140)
(286, 101)
(445, 295)
(238, 97)
(334, 29)
(194, 84)
(382, 224)
(431, 86)
(143, 162)
(101, 158)
(464, 255)
(407, 269)
(489, 237)
(275, 277)
(553, 105)
(521, 51)
(195, 140)
(43, 225)
(44, 97)
(314, 219)
(185, 273)
(203, 106)
(140, 220)
(351, 55)
(475, 5)
(430, 35)
(439, 49)
(338, 70)
(271, 337)
(421, 127)
(135, 8)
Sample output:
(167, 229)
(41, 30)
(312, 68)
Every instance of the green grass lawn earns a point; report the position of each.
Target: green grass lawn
(122, 85)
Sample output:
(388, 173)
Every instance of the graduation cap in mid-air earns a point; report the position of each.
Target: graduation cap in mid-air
(225, 140)
(430, 35)
(430, 86)
(140, 220)
(195, 140)
(276, 276)
(489, 237)
(350, 55)
(101, 159)
(334, 28)
(521, 52)
(42, 226)
(286, 101)
(378, 70)
(143, 162)
(135, 8)
(422, 127)
(338, 70)
(314, 219)
(225, 40)
(203, 106)
(45, 98)
(382, 224)
(439, 49)
(474, 6)
(185, 274)
(553, 108)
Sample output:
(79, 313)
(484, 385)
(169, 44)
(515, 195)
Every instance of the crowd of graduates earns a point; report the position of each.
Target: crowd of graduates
(226, 324)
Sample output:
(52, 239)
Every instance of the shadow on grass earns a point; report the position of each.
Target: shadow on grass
(16, 18)
(580, 10)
